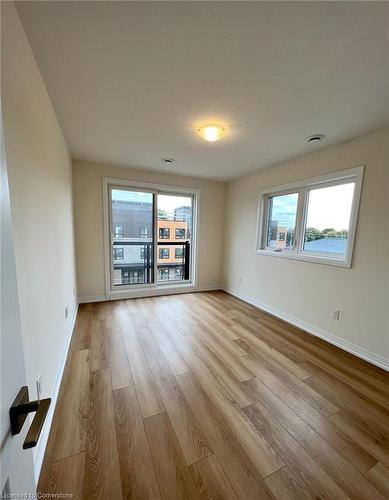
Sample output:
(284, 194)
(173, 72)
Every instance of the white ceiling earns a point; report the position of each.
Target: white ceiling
(131, 80)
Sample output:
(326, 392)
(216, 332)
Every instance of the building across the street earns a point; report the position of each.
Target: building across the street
(133, 248)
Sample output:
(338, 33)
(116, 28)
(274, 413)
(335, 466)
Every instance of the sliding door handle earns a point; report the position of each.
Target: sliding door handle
(18, 412)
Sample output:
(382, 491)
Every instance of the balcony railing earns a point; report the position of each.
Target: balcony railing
(137, 265)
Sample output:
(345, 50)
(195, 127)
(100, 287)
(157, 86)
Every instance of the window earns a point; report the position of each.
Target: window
(144, 232)
(314, 220)
(164, 253)
(180, 233)
(163, 274)
(118, 253)
(178, 273)
(281, 222)
(164, 233)
(179, 253)
(119, 231)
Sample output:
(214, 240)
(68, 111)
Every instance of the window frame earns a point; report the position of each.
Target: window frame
(179, 237)
(115, 251)
(156, 288)
(161, 252)
(303, 188)
(164, 229)
(181, 248)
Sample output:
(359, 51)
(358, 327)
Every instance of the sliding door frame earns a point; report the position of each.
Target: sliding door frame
(142, 290)
(153, 192)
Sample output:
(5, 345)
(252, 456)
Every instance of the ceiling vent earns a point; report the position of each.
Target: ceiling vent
(315, 138)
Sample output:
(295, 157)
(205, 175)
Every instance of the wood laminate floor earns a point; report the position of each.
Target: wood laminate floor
(204, 396)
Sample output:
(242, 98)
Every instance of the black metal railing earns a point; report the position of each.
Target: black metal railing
(140, 269)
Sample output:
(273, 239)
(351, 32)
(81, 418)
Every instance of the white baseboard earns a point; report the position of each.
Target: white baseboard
(149, 292)
(360, 352)
(91, 298)
(42, 443)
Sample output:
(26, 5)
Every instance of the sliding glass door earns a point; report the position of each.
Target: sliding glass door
(175, 221)
(132, 237)
(151, 236)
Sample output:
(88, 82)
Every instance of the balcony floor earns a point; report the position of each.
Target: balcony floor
(204, 396)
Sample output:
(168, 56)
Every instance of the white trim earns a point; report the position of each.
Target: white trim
(40, 449)
(298, 253)
(144, 290)
(86, 299)
(150, 292)
(343, 344)
(288, 254)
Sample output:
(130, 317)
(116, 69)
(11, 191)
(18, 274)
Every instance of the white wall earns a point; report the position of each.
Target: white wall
(88, 206)
(304, 291)
(40, 181)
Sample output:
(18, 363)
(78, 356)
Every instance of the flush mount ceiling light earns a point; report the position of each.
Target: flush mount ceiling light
(315, 138)
(211, 133)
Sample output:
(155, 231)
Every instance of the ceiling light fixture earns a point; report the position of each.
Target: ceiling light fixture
(211, 133)
(313, 139)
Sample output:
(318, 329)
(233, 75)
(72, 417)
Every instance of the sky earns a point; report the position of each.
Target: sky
(165, 202)
(330, 207)
(327, 207)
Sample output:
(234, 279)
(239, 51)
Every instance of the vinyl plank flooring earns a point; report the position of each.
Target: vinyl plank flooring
(264, 349)
(286, 486)
(102, 471)
(266, 370)
(258, 449)
(379, 476)
(355, 454)
(65, 476)
(210, 480)
(98, 345)
(137, 473)
(166, 346)
(192, 440)
(204, 396)
(240, 470)
(225, 377)
(233, 363)
(173, 474)
(118, 361)
(337, 468)
(148, 396)
(145, 336)
(73, 408)
(366, 437)
(315, 480)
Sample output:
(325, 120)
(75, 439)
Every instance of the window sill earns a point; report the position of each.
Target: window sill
(306, 258)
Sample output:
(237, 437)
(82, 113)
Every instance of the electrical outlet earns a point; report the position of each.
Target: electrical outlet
(39, 386)
(66, 312)
(335, 313)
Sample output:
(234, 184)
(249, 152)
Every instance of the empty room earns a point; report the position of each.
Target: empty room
(194, 250)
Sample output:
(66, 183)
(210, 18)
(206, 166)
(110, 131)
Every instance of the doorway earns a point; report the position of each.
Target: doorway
(150, 235)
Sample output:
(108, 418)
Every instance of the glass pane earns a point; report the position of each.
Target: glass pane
(328, 219)
(282, 222)
(175, 215)
(132, 237)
